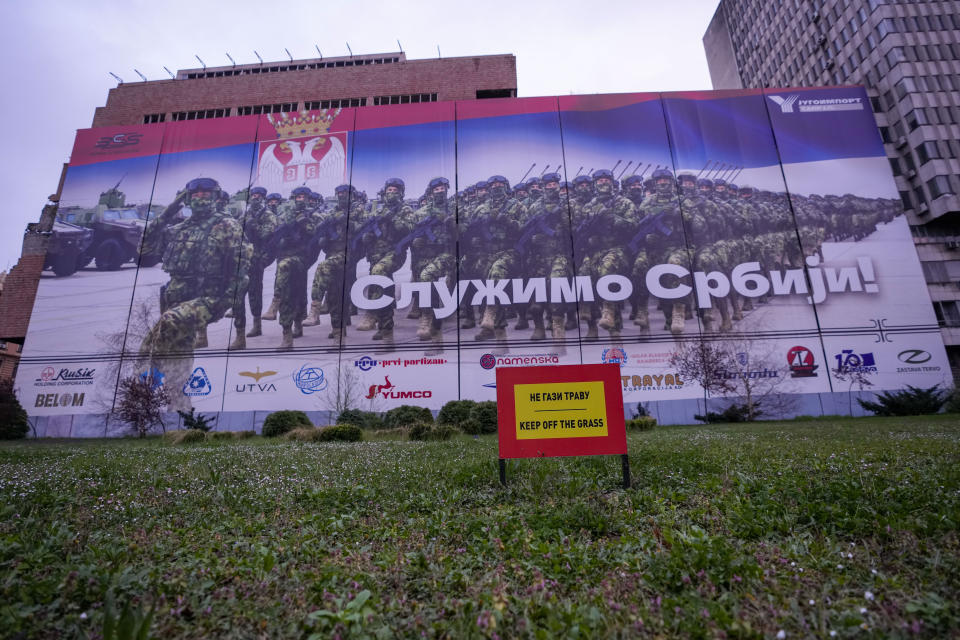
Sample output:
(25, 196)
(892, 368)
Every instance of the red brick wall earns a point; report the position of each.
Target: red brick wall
(449, 78)
(19, 292)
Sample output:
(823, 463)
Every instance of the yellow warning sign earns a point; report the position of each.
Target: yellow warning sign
(560, 410)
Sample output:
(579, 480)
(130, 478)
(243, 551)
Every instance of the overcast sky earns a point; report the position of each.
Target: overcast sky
(58, 53)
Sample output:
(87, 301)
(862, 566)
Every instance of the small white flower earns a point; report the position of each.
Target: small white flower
(833, 634)
(863, 609)
(873, 571)
(840, 566)
(781, 634)
(83, 616)
(813, 602)
(868, 595)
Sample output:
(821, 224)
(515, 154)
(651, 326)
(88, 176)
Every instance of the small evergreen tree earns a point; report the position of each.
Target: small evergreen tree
(195, 421)
(13, 419)
(911, 401)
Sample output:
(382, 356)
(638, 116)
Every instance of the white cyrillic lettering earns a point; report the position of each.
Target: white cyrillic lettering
(622, 283)
(490, 292)
(448, 299)
(843, 279)
(407, 291)
(788, 282)
(658, 290)
(742, 278)
(358, 292)
(535, 288)
(713, 284)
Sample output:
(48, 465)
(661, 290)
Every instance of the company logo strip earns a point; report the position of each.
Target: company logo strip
(309, 379)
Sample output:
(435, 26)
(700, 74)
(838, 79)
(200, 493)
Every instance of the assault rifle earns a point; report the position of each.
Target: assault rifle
(537, 224)
(423, 228)
(648, 225)
(370, 226)
(479, 228)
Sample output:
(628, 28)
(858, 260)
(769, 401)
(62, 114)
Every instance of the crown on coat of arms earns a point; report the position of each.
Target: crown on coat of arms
(302, 124)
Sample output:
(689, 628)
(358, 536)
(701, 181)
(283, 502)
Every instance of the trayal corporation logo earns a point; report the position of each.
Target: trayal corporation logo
(51, 400)
(258, 385)
(801, 363)
(198, 384)
(50, 377)
(850, 362)
(389, 391)
(489, 361)
(917, 359)
(793, 103)
(309, 379)
(614, 355)
(118, 141)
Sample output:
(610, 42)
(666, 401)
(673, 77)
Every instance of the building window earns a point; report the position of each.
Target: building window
(926, 152)
(202, 114)
(948, 315)
(935, 272)
(939, 186)
(405, 99)
(335, 104)
(256, 110)
(152, 118)
(907, 202)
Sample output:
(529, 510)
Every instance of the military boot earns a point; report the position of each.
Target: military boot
(608, 316)
(487, 324)
(539, 333)
(436, 337)
(500, 335)
(338, 334)
(591, 331)
(469, 318)
(313, 316)
(257, 329)
(229, 313)
(747, 304)
(737, 308)
(425, 328)
(414, 313)
(239, 342)
(559, 333)
(322, 306)
(286, 343)
(725, 324)
(366, 323)
(298, 328)
(201, 341)
(271, 313)
(571, 322)
(384, 334)
(522, 320)
(642, 319)
(677, 318)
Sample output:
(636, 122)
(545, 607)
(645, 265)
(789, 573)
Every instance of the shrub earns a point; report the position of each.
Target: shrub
(13, 419)
(303, 434)
(456, 412)
(911, 401)
(482, 418)
(340, 433)
(194, 420)
(362, 419)
(427, 431)
(952, 404)
(406, 415)
(643, 423)
(186, 436)
(733, 413)
(280, 422)
(241, 435)
(220, 435)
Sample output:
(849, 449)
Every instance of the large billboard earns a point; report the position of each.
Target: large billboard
(398, 255)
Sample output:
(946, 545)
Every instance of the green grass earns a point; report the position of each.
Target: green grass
(840, 525)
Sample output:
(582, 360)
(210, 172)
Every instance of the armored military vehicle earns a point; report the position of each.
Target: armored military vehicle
(67, 243)
(117, 230)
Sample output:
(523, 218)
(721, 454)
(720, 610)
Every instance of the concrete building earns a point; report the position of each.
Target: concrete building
(907, 54)
(271, 87)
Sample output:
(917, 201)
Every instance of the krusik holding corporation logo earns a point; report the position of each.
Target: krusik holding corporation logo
(786, 104)
(51, 377)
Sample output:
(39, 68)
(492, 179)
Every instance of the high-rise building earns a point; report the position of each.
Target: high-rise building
(907, 54)
(251, 89)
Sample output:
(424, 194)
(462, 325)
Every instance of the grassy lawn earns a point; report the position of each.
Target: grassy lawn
(846, 527)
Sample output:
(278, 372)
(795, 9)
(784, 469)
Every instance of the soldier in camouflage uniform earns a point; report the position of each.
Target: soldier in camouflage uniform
(261, 224)
(535, 191)
(544, 247)
(328, 280)
(207, 268)
(633, 189)
(376, 239)
(291, 244)
(497, 258)
(600, 234)
(473, 236)
(432, 243)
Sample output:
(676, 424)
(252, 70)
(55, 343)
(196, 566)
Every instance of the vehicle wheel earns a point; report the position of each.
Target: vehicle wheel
(65, 265)
(84, 260)
(109, 256)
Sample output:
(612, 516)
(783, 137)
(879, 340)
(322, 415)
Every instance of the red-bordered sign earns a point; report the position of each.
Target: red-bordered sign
(560, 410)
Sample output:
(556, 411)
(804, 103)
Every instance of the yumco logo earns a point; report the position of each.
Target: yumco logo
(817, 104)
(850, 362)
(257, 386)
(801, 363)
(309, 379)
(118, 141)
(387, 390)
(50, 377)
(59, 400)
(614, 355)
(198, 384)
(489, 361)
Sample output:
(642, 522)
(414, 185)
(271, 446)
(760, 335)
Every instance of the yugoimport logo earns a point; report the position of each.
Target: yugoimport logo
(119, 141)
(309, 379)
(785, 104)
(614, 355)
(850, 362)
(387, 390)
(365, 363)
(801, 363)
(198, 384)
(914, 356)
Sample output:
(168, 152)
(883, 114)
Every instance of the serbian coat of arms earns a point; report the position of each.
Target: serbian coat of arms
(304, 153)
